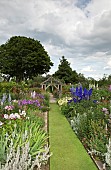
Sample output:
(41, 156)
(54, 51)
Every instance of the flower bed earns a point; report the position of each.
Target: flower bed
(23, 142)
(90, 118)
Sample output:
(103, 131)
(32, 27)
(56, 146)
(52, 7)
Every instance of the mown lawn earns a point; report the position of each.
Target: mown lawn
(68, 152)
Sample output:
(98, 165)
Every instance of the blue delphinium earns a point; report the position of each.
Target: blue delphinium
(79, 94)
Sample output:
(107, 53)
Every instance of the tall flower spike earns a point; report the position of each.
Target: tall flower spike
(4, 97)
(90, 92)
(9, 98)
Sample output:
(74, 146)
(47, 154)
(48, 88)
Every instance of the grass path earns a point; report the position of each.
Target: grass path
(68, 152)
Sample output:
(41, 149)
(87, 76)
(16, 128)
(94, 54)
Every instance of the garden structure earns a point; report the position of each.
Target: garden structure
(52, 83)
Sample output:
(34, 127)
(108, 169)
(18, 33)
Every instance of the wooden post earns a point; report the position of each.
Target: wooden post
(52, 88)
(58, 87)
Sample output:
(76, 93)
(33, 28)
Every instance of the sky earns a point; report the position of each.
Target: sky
(80, 30)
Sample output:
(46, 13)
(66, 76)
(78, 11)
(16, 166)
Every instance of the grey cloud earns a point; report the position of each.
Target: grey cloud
(93, 36)
(50, 37)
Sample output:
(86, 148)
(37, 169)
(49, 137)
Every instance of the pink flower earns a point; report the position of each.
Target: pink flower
(6, 107)
(12, 116)
(104, 109)
(9, 108)
(109, 87)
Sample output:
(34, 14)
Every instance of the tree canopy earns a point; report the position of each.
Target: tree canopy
(65, 72)
(23, 57)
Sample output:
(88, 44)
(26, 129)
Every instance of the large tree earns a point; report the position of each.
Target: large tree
(23, 57)
(65, 72)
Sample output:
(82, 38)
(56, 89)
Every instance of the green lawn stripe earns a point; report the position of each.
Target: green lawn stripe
(68, 152)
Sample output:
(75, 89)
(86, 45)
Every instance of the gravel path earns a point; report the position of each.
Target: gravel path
(52, 99)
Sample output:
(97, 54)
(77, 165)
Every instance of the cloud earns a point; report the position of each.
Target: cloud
(78, 29)
(87, 69)
(109, 62)
(107, 68)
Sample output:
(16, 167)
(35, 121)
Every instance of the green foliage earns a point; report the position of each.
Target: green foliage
(105, 81)
(3, 145)
(46, 103)
(35, 82)
(72, 109)
(99, 136)
(23, 57)
(67, 75)
(17, 90)
(65, 72)
(21, 132)
(91, 130)
(6, 86)
(37, 90)
(67, 110)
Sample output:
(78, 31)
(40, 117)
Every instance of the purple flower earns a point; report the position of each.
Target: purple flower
(75, 100)
(78, 94)
(95, 101)
(29, 102)
(69, 101)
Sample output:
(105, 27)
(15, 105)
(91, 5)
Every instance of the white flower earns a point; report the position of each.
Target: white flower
(72, 123)
(1, 123)
(1, 103)
(19, 111)
(17, 115)
(23, 113)
(15, 101)
(6, 116)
